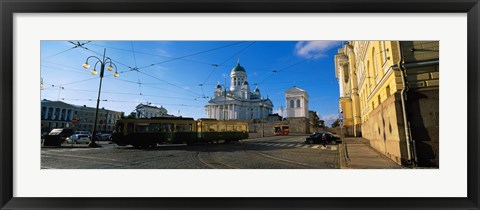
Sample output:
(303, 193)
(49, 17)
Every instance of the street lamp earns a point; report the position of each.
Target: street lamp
(103, 62)
(262, 104)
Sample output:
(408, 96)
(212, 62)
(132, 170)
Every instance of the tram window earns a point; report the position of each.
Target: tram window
(230, 128)
(212, 128)
(154, 127)
(166, 127)
(119, 127)
(130, 127)
(141, 127)
(183, 127)
(243, 128)
(221, 128)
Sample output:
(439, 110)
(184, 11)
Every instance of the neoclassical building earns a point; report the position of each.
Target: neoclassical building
(58, 114)
(389, 94)
(238, 103)
(149, 111)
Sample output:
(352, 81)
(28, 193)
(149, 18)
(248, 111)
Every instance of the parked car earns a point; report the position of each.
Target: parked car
(88, 133)
(57, 136)
(105, 136)
(78, 139)
(317, 137)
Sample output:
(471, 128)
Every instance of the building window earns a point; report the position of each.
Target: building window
(298, 102)
(292, 104)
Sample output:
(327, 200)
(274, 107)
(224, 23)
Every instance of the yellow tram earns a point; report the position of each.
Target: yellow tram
(165, 130)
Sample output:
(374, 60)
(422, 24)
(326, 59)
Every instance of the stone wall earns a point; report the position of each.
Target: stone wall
(297, 125)
(386, 132)
(256, 129)
(385, 129)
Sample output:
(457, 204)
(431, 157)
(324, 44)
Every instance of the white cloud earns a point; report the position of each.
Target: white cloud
(314, 49)
(329, 117)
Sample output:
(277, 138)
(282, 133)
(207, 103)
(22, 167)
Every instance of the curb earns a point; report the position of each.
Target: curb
(341, 158)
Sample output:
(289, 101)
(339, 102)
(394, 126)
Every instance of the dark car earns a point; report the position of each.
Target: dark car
(57, 136)
(317, 137)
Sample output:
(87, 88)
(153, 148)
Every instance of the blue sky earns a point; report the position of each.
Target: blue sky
(181, 75)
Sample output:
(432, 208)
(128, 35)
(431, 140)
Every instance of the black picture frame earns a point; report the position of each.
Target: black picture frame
(10, 7)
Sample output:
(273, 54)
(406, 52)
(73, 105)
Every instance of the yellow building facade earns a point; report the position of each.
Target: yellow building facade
(385, 85)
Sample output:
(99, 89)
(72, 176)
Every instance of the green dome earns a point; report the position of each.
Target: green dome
(238, 68)
(245, 83)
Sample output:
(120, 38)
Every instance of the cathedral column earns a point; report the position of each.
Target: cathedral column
(229, 116)
(235, 112)
(212, 113)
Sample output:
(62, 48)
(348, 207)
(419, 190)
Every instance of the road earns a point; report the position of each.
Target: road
(279, 152)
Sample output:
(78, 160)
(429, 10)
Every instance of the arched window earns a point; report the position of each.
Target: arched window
(298, 102)
(292, 104)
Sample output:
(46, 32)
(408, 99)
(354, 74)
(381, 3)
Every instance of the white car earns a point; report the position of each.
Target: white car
(78, 139)
(84, 132)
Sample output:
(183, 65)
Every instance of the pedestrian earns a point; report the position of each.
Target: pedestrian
(324, 139)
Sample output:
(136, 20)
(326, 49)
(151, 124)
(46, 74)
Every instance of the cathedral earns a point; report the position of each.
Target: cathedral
(238, 103)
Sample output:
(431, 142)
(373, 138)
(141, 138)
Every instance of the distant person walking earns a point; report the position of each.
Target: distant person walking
(324, 139)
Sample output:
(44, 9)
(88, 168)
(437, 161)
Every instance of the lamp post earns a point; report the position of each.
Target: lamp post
(262, 118)
(104, 61)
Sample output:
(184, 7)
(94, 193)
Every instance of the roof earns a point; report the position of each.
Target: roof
(238, 68)
(296, 91)
(145, 105)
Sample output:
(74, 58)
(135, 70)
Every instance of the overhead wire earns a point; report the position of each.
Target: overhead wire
(145, 53)
(195, 94)
(182, 58)
(177, 58)
(193, 54)
(133, 69)
(63, 69)
(123, 93)
(138, 76)
(120, 101)
(51, 56)
(225, 61)
(76, 45)
(287, 67)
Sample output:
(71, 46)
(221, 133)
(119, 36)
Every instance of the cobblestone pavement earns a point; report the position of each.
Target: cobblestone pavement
(280, 152)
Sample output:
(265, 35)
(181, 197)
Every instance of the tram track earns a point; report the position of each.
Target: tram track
(272, 158)
(210, 159)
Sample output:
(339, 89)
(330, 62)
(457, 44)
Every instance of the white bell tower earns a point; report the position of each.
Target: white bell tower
(296, 102)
